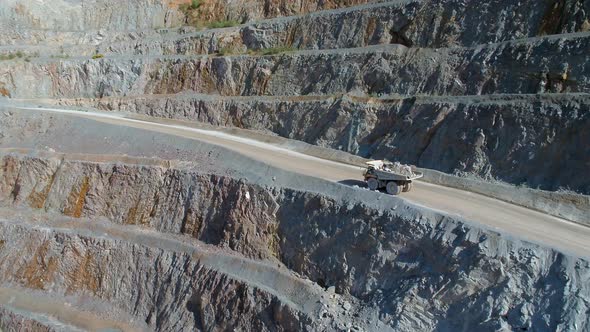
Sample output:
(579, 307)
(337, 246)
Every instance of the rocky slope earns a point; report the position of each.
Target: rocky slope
(398, 261)
(394, 263)
(522, 139)
(536, 49)
(105, 227)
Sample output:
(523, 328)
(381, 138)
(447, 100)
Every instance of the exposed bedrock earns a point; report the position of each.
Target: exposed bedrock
(114, 15)
(420, 269)
(536, 140)
(167, 289)
(78, 27)
(546, 65)
(146, 227)
(78, 15)
(427, 24)
(412, 23)
(27, 309)
(10, 319)
(250, 10)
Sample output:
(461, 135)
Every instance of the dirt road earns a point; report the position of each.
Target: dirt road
(518, 221)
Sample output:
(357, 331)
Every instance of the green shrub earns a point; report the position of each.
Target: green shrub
(20, 55)
(226, 51)
(276, 50)
(223, 24)
(186, 8)
(195, 4)
(8, 56)
(11, 56)
(97, 56)
(60, 56)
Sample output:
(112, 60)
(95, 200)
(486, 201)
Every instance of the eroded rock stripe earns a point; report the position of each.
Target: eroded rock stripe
(397, 259)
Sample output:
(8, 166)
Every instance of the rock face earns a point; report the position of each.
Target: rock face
(137, 279)
(375, 70)
(10, 319)
(64, 15)
(401, 51)
(103, 240)
(536, 140)
(398, 261)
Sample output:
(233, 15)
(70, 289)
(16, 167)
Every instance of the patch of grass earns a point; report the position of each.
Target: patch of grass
(186, 7)
(226, 51)
(195, 4)
(223, 24)
(19, 55)
(276, 50)
(267, 51)
(11, 56)
(97, 56)
(8, 56)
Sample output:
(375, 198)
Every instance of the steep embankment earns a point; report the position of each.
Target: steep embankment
(386, 254)
(198, 237)
(523, 139)
(443, 48)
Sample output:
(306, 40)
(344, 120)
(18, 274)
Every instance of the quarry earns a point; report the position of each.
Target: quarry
(180, 165)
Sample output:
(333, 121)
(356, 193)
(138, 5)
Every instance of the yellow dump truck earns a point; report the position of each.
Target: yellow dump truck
(394, 177)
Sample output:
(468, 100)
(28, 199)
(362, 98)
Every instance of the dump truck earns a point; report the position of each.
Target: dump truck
(394, 177)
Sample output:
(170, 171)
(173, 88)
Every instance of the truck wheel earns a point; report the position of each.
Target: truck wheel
(373, 184)
(407, 187)
(392, 188)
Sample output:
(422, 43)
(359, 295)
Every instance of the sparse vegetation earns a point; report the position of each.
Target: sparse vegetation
(189, 9)
(194, 17)
(266, 51)
(98, 56)
(223, 24)
(11, 56)
(226, 51)
(195, 4)
(276, 50)
(19, 55)
(186, 8)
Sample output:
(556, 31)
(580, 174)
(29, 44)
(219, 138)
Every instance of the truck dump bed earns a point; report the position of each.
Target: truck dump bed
(393, 171)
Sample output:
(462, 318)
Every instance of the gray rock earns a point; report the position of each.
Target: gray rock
(462, 287)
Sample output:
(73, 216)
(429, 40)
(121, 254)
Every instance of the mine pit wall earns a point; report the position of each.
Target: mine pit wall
(430, 24)
(167, 290)
(11, 320)
(419, 24)
(78, 15)
(554, 64)
(504, 138)
(249, 10)
(114, 15)
(128, 32)
(544, 66)
(396, 257)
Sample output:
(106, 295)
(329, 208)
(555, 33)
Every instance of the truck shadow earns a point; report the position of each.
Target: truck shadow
(353, 183)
